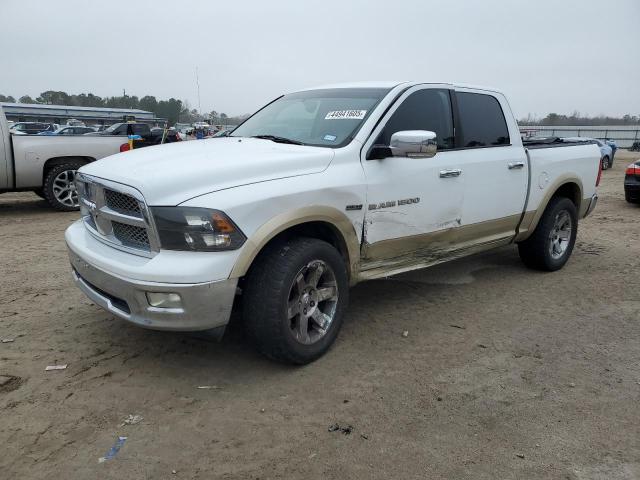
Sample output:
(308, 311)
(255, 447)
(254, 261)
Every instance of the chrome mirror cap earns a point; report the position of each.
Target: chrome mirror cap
(414, 144)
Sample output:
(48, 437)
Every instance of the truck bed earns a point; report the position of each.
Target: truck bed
(550, 166)
(553, 142)
(31, 152)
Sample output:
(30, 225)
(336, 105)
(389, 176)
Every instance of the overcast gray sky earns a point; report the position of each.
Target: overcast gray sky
(546, 55)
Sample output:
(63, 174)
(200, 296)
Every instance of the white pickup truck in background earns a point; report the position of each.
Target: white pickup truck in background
(46, 164)
(317, 191)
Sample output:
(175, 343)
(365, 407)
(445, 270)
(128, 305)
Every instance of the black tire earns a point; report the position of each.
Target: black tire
(535, 251)
(48, 187)
(266, 297)
(605, 163)
(40, 193)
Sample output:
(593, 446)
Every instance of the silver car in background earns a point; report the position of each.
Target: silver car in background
(606, 152)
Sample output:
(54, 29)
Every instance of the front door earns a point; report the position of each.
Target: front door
(414, 205)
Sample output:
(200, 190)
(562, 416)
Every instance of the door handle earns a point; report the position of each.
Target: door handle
(450, 173)
(516, 165)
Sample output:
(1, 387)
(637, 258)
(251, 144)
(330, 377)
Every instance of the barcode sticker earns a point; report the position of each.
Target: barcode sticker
(346, 115)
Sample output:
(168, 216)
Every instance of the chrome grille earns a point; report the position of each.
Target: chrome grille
(117, 215)
(131, 235)
(121, 202)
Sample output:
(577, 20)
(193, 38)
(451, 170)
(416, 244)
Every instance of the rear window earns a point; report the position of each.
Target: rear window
(481, 120)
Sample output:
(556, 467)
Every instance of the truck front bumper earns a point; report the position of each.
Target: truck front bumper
(201, 306)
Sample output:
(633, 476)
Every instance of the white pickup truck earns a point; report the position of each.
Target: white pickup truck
(319, 190)
(46, 164)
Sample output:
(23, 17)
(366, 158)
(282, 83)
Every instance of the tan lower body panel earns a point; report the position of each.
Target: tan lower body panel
(531, 219)
(584, 206)
(390, 257)
(525, 226)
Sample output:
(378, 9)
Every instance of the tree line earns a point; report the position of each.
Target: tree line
(555, 119)
(178, 111)
(173, 110)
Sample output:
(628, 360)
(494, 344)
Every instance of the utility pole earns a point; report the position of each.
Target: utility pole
(198, 85)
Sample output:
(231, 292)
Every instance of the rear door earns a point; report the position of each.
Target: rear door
(494, 163)
(413, 205)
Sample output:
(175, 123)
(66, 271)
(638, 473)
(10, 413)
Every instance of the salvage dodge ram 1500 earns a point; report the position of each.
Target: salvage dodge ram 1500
(319, 190)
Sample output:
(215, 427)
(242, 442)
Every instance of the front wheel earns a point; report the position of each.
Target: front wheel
(605, 163)
(551, 243)
(294, 300)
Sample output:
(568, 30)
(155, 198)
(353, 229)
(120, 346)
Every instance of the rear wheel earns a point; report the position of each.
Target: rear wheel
(59, 187)
(550, 245)
(605, 162)
(294, 300)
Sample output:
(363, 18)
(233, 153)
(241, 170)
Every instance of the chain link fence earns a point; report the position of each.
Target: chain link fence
(623, 136)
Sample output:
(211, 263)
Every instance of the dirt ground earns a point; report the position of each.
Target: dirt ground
(506, 373)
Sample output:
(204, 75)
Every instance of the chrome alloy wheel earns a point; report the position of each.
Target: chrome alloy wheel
(64, 188)
(560, 234)
(313, 300)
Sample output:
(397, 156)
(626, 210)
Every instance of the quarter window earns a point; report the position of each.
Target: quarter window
(428, 109)
(481, 120)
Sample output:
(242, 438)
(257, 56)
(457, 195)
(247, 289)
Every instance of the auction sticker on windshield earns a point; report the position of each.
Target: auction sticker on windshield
(346, 115)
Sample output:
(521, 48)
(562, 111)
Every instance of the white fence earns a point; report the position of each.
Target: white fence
(624, 136)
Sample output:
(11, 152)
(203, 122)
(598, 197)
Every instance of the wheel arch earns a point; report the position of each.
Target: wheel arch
(567, 187)
(324, 223)
(54, 161)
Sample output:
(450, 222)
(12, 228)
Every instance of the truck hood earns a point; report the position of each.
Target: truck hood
(173, 173)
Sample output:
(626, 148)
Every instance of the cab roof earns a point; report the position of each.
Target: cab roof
(389, 84)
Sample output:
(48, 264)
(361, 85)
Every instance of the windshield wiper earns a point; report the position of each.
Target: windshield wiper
(275, 138)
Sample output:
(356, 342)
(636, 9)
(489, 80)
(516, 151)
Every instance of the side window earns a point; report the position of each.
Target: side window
(428, 109)
(481, 121)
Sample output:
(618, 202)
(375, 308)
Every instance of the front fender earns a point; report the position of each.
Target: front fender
(284, 221)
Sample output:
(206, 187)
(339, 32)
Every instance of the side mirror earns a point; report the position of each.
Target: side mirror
(413, 144)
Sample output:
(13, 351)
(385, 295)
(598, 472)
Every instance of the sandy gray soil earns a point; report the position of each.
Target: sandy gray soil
(506, 373)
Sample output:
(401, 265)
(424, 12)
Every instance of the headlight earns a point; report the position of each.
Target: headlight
(196, 229)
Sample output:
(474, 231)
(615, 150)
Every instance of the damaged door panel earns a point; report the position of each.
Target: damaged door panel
(410, 198)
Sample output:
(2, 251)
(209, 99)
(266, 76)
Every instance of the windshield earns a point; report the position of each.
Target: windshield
(325, 118)
(112, 128)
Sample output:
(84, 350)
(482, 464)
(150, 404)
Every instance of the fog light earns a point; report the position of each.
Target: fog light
(164, 300)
